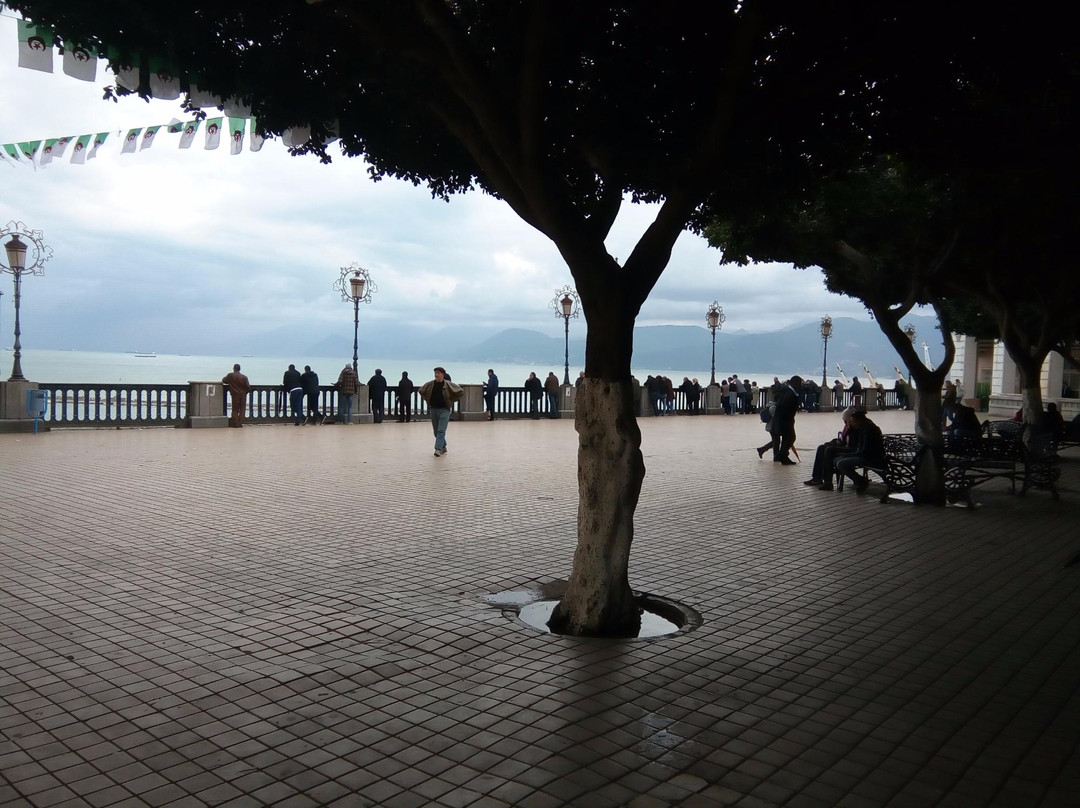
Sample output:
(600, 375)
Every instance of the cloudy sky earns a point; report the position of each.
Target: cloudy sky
(224, 247)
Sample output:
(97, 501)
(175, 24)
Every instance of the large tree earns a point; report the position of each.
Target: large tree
(563, 109)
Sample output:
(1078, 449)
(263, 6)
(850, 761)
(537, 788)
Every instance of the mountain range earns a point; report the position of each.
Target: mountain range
(797, 349)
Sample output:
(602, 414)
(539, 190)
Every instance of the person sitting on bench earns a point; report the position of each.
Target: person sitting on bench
(869, 451)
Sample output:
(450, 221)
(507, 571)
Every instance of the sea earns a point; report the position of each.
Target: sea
(99, 367)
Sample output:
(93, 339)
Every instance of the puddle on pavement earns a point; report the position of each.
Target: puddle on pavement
(533, 606)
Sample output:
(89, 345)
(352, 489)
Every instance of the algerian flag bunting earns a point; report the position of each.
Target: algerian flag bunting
(131, 141)
(80, 62)
(164, 83)
(236, 134)
(12, 151)
(99, 139)
(190, 128)
(255, 140)
(213, 133)
(35, 46)
(47, 151)
(148, 137)
(29, 149)
(78, 153)
(61, 146)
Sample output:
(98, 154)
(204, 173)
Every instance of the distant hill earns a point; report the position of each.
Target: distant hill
(796, 349)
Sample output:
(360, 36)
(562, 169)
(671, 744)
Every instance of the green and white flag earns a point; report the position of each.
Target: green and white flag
(148, 137)
(131, 141)
(12, 151)
(202, 98)
(213, 133)
(99, 140)
(188, 135)
(35, 46)
(29, 149)
(255, 140)
(80, 62)
(236, 135)
(164, 83)
(78, 152)
(61, 146)
(48, 151)
(296, 136)
(128, 77)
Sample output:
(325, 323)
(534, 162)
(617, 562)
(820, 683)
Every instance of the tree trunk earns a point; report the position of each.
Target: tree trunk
(929, 461)
(598, 599)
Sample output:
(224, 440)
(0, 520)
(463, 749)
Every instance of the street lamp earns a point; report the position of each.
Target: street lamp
(565, 304)
(16, 250)
(355, 285)
(826, 332)
(715, 319)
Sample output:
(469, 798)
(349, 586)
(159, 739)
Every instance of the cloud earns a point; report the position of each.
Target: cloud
(213, 247)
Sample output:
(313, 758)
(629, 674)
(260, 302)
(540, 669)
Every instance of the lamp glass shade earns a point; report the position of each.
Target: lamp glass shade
(16, 254)
(356, 284)
(714, 318)
(909, 332)
(826, 327)
(567, 304)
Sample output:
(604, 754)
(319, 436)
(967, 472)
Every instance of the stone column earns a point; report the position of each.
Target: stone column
(471, 406)
(13, 414)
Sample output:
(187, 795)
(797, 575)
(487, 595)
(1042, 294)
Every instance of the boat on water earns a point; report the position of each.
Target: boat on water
(145, 355)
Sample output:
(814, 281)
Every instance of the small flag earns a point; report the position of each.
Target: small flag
(47, 151)
(29, 149)
(78, 152)
(296, 136)
(61, 146)
(164, 83)
(235, 108)
(128, 77)
(175, 127)
(190, 128)
(236, 134)
(131, 141)
(80, 62)
(35, 46)
(148, 137)
(255, 140)
(12, 151)
(99, 140)
(213, 133)
(201, 98)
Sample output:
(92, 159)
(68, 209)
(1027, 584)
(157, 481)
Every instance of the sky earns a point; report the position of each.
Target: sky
(220, 248)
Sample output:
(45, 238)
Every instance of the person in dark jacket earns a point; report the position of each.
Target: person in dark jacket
(551, 388)
(535, 388)
(310, 381)
(405, 389)
(293, 385)
(655, 388)
(965, 421)
(783, 421)
(491, 392)
(828, 453)
(869, 451)
(347, 385)
(377, 395)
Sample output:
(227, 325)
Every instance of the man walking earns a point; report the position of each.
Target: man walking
(377, 395)
(347, 385)
(783, 421)
(293, 383)
(239, 386)
(491, 391)
(440, 394)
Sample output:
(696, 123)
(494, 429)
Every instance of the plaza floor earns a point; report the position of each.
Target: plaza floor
(296, 617)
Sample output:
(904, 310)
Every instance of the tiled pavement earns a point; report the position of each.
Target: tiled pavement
(295, 617)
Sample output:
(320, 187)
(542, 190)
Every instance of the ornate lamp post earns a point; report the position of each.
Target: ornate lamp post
(355, 285)
(715, 318)
(565, 304)
(18, 266)
(826, 332)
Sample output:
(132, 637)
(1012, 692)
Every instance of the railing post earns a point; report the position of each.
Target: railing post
(13, 415)
(206, 405)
